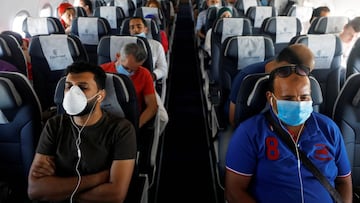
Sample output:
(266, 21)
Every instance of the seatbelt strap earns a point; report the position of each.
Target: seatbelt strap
(303, 158)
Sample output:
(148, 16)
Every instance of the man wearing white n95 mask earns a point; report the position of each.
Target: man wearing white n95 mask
(85, 155)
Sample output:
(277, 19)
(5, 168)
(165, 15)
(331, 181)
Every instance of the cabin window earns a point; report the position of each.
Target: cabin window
(46, 11)
(18, 22)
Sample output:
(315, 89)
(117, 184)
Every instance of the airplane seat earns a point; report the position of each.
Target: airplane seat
(327, 68)
(150, 134)
(42, 26)
(20, 127)
(157, 12)
(281, 29)
(90, 30)
(251, 100)
(303, 13)
(353, 62)
(346, 114)
(328, 25)
(128, 6)
(211, 17)
(257, 14)
(11, 51)
(223, 28)
(152, 25)
(110, 45)
(50, 55)
(80, 11)
(113, 14)
(243, 5)
(120, 101)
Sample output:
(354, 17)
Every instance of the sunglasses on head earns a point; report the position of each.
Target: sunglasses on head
(285, 71)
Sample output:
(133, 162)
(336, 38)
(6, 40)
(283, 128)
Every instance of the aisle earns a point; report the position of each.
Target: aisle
(186, 171)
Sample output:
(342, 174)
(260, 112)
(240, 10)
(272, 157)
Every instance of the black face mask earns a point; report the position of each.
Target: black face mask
(89, 106)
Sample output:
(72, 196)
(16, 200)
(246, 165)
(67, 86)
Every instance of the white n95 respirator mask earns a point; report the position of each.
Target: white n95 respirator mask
(75, 102)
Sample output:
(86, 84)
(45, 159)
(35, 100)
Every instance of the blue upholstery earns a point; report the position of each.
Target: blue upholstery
(11, 51)
(243, 5)
(106, 54)
(353, 62)
(128, 6)
(31, 26)
(346, 114)
(219, 33)
(46, 74)
(263, 12)
(80, 11)
(328, 25)
(157, 12)
(327, 69)
(113, 14)
(19, 135)
(281, 29)
(90, 30)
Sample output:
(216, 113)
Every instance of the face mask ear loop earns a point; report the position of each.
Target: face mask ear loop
(77, 143)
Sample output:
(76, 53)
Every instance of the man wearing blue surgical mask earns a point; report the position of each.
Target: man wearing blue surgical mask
(86, 154)
(260, 167)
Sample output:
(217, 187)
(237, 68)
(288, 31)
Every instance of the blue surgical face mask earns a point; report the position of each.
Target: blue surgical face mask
(120, 69)
(142, 34)
(293, 113)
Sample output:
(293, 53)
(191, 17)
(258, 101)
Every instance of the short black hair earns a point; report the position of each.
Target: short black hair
(137, 17)
(82, 66)
(89, 4)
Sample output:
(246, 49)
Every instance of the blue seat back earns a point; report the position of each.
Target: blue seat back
(11, 51)
(20, 130)
(113, 14)
(50, 55)
(33, 26)
(346, 115)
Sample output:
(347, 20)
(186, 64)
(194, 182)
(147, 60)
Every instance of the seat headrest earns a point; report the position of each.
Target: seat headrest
(10, 98)
(328, 24)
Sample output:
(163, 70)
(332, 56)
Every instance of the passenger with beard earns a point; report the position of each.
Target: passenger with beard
(85, 155)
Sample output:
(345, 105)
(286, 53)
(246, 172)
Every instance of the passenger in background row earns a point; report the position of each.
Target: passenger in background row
(66, 13)
(85, 155)
(224, 12)
(320, 12)
(87, 5)
(348, 37)
(201, 19)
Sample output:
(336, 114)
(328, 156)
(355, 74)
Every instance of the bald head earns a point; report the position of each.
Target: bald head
(304, 54)
(293, 54)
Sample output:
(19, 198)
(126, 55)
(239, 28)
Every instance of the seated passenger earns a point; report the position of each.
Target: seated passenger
(201, 19)
(138, 27)
(129, 62)
(163, 36)
(294, 54)
(224, 12)
(320, 12)
(87, 5)
(348, 37)
(264, 166)
(85, 155)
(66, 13)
